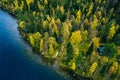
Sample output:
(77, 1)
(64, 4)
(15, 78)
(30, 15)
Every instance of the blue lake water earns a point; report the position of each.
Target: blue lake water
(16, 59)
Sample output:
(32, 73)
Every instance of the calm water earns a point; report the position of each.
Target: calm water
(16, 59)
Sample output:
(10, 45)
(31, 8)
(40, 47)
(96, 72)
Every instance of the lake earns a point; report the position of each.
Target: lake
(17, 61)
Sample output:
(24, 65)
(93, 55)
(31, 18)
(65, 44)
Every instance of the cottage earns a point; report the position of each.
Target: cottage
(100, 50)
(59, 39)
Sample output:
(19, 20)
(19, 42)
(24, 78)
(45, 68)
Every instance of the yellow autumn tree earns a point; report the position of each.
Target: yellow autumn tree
(45, 24)
(111, 32)
(45, 2)
(76, 37)
(37, 36)
(55, 30)
(51, 40)
(16, 4)
(21, 6)
(86, 21)
(40, 7)
(46, 35)
(41, 45)
(112, 69)
(72, 64)
(51, 49)
(94, 23)
(52, 21)
(31, 39)
(96, 42)
(75, 50)
(48, 17)
(62, 9)
(85, 35)
(79, 14)
(65, 31)
(51, 25)
(93, 68)
(58, 22)
(28, 3)
(22, 25)
(104, 60)
(90, 9)
(116, 65)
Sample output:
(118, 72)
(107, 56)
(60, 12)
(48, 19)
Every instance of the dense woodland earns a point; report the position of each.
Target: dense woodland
(71, 31)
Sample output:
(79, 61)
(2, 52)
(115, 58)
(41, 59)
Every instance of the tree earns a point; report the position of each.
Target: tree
(76, 37)
(22, 25)
(45, 24)
(51, 49)
(111, 69)
(96, 42)
(22, 6)
(16, 4)
(93, 67)
(52, 40)
(79, 59)
(75, 50)
(46, 35)
(28, 3)
(112, 32)
(111, 11)
(104, 60)
(41, 45)
(51, 26)
(69, 52)
(90, 50)
(78, 18)
(62, 9)
(58, 22)
(31, 39)
(116, 65)
(55, 30)
(45, 2)
(85, 34)
(52, 21)
(72, 64)
(90, 9)
(94, 24)
(34, 40)
(48, 18)
(46, 41)
(109, 50)
(65, 31)
(117, 39)
(37, 36)
(86, 21)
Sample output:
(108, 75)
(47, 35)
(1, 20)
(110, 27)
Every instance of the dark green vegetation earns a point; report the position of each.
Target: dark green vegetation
(71, 32)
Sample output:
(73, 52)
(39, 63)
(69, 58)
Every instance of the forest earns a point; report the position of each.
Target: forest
(83, 35)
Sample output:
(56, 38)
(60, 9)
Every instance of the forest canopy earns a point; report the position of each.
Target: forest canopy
(71, 31)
